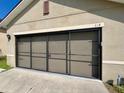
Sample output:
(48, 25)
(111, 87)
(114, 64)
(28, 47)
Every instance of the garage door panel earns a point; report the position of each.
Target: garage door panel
(58, 56)
(87, 35)
(39, 38)
(39, 63)
(83, 47)
(57, 43)
(81, 69)
(57, 46)
(39, 55)
(55, 37)
(24, 45)
(24, 61)
(24, 53)
(39, 47)
(81, 58)
(39, 44)
(57, 66)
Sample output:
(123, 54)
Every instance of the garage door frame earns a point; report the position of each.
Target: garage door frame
(40, 34)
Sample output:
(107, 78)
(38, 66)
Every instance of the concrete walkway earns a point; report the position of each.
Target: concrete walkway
(30, 81)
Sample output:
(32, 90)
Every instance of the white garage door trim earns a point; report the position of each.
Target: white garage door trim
(113, 62)
(96, 25)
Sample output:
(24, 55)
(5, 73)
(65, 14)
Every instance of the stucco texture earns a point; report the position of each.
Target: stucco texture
(3, 44)
(65, 13)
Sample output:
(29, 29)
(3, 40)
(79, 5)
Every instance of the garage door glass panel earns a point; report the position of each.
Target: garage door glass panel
(24, 52)
(57, 53)
(39, 52)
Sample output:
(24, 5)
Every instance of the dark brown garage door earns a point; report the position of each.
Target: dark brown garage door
(72, 52)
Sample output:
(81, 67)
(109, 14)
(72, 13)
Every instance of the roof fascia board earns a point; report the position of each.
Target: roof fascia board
(19, 8)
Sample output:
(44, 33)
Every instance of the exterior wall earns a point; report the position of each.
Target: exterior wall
(111, 71)
(3, 44)
(64, 13)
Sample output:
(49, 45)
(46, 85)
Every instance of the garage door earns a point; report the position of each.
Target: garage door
(70, 52)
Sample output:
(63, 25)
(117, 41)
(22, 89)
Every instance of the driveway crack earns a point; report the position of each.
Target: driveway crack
(29, 90)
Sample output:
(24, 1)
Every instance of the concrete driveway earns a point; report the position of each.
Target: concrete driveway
(20, 80)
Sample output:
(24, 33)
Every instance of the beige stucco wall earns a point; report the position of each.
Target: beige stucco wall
(65, 13)
(3, 44)
(111, 71)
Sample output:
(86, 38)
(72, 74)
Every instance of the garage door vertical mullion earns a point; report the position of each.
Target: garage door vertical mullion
(100, 53)
(47, 53)
(16, 52)
(31, 52)
(67, 55)
(69, 50)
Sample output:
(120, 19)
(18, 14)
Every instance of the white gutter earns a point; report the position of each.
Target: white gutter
(87, 26)
(23, 4)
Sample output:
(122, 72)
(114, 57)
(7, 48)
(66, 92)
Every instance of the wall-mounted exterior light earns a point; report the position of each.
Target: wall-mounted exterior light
(8, 37)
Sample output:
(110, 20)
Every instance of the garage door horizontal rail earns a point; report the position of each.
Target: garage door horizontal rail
(24, 55)
(84, 55)
(38, 56)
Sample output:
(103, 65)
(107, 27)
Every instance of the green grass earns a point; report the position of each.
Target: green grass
(114, 88)
(3, 63)
(120, 89)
